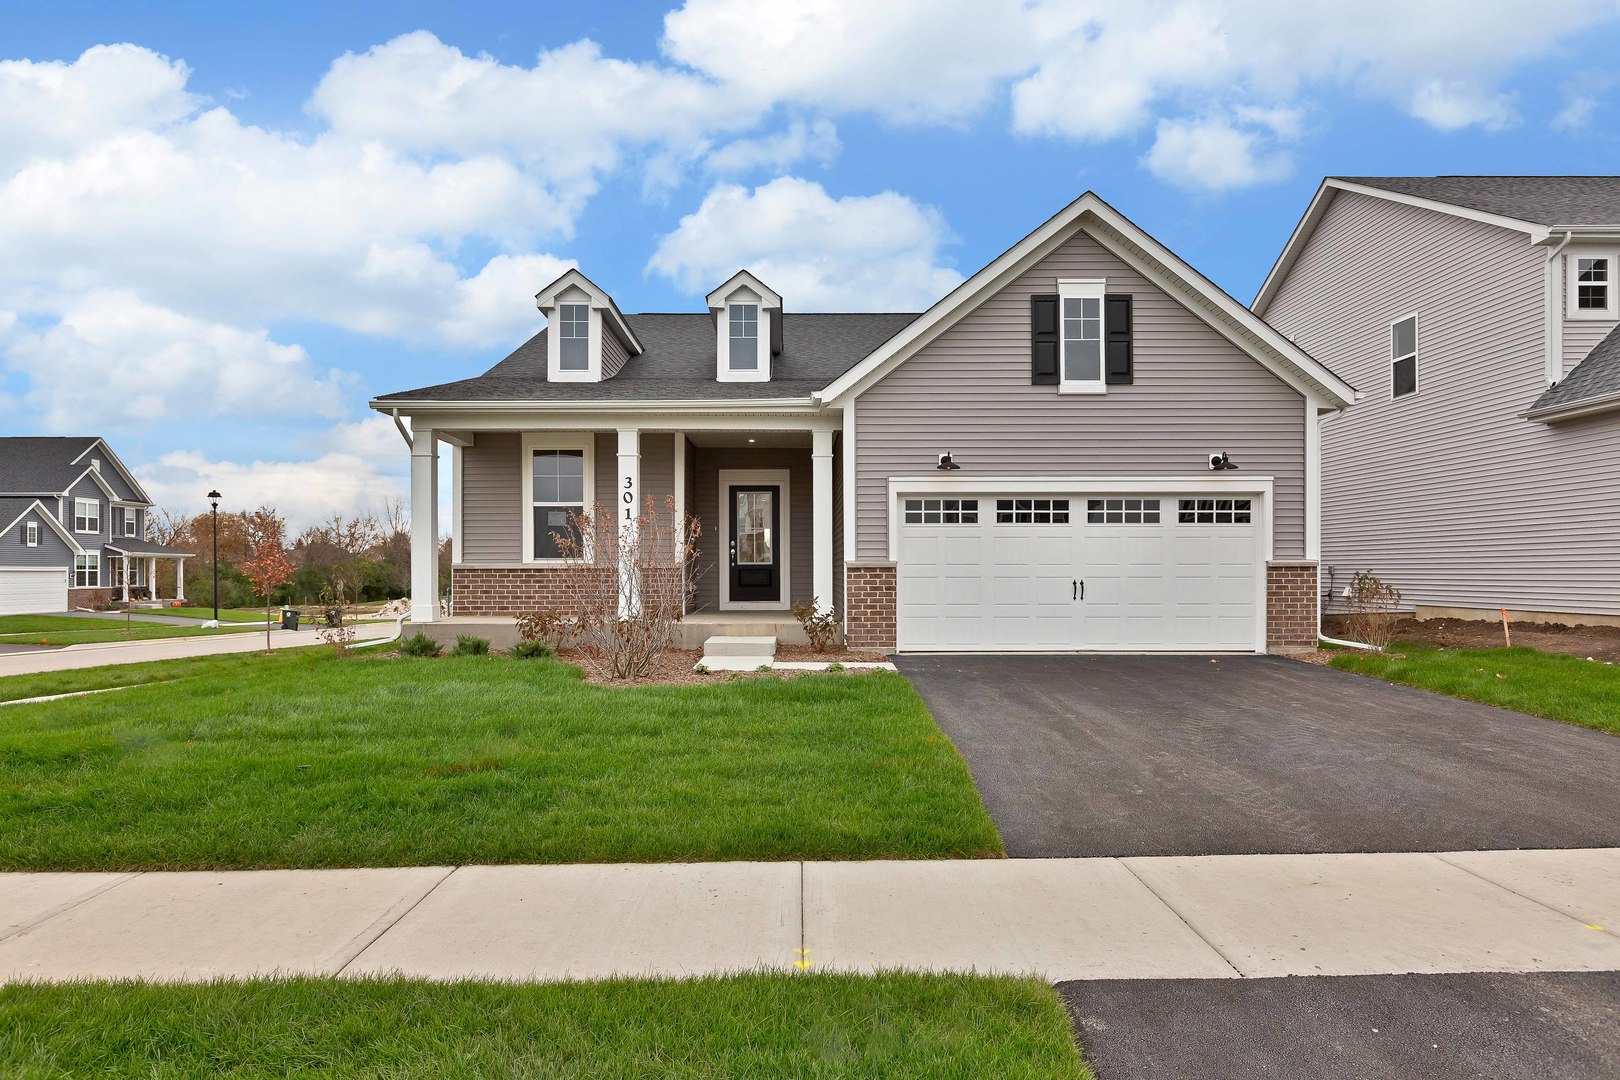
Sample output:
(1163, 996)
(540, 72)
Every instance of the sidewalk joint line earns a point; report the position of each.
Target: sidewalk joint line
(361, 951)
(1216, 949)
(1441, 857)
(803, 944)
(63, 909)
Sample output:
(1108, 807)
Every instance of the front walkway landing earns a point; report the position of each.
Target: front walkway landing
(1226, 916)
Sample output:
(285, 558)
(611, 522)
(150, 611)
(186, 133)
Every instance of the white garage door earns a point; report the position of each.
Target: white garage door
(1128, 573)
(29, 592)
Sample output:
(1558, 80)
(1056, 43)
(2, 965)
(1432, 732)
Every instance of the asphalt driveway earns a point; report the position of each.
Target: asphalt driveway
(1189, 755)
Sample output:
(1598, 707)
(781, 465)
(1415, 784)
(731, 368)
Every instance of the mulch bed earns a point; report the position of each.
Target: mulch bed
(1595, 642)
(674, 668)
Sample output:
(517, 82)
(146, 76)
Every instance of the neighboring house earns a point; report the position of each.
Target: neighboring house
(1080, 384)
(73, 528)
(1478, 316)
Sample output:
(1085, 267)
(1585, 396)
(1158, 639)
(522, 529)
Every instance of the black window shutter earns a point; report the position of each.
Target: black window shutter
(1043, 339)
(1117, 363)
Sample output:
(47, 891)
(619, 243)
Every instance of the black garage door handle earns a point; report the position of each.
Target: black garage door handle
(1079, 589)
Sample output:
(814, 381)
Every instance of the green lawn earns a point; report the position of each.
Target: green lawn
(304, 760)
(252, 615)
(1553, 685)
(64, 630)
(893, 1025)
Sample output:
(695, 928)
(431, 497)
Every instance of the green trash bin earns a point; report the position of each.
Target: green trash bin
(289, 619)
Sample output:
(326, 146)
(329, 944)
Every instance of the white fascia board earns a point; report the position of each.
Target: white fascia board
(112, 496)
(50, 519)
(717, 298)
(611, 420)
(1572, 410)
(600, 299)
(805, 405)
(1330, 186)
(1161, 265)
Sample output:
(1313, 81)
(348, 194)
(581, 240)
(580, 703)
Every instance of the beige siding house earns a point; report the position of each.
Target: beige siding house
(1085, 446)
(1478, 317)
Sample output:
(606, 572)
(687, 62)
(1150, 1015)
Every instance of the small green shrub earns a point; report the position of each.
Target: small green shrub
(418, 644)
(531, 650)
(835, 666)
(470, 645)
(763, 667)
(701, 669)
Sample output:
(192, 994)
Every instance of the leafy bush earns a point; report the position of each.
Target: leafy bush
(821, 627)
(532, 650)
(418, 644)
(547, 625)
(470, 645)
(701, 669)
(835, 666)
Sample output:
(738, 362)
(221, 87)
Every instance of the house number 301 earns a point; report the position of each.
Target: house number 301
(629, 495)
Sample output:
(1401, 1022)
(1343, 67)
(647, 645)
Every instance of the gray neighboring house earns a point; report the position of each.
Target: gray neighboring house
(1033, 463)
(73, 524)
(1479, 316)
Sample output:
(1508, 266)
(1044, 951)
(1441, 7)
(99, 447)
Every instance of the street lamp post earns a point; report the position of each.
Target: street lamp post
(213, 502)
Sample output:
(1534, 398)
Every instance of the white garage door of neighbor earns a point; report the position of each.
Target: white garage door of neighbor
(29, 592)
(1133, 573)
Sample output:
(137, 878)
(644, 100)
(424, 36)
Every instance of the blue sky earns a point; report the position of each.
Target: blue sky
(223, 227)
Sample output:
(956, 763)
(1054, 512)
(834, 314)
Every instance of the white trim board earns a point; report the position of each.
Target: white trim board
(531, 442)
(725, 479)
(50, 519)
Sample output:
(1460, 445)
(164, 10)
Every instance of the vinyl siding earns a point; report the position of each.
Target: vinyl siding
(492, 489)
(614, 354)
(52, 551)
(1448, 494)
(712, 546)
(1580, 336)
(969, 392)
(88, 489)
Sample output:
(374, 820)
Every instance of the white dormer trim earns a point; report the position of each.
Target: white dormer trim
(575, 288)
(744, 288)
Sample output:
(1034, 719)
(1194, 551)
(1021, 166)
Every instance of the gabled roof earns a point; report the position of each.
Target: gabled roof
(678, 364)
(743, 278)
(1593, 385)
(128, 545)
(599, 297)
(14, 511)
(41, 465)
(1090, 214)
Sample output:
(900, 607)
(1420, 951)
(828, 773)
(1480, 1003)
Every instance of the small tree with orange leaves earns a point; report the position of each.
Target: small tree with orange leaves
(268, 568)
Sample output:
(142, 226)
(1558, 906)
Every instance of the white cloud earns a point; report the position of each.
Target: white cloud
(304, 491)
(816, 141)
(111, 360)
(857, 253)
(1451, 106)
(1214, 155)
(1576, 113)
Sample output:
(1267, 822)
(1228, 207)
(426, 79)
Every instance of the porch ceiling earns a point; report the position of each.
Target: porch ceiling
(750, 438)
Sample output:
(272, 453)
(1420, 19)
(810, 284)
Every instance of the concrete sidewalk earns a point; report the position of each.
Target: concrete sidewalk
(1227, 916)
(70, 657)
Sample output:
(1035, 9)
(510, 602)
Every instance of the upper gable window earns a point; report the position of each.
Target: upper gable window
(86, 515)
(1081, 310)
(1403, 372)
(574, 329)
(1592, 285)
(31, 534)
(744, 351)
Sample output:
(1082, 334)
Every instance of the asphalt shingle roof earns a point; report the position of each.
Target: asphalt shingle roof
(40, 465)
(1544, 200)
(1595, 376)
(679, 361)
(131, 546)
(11, 507)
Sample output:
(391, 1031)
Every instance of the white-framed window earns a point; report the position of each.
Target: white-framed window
(129, 523)
(743, 354)
(574, 334)
(942, 511)
(1032, 511)
(1592, 293)
(31, 534)
(1122, 511)
(87, 515)
(1080, 316)
(87, 571)
(1403, 356)
(1215, 511)
(558, 480)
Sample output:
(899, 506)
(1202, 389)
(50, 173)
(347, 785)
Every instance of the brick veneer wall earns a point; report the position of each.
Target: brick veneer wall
(869, 603)
(507, 590)
(1290, 606)
(94, 599)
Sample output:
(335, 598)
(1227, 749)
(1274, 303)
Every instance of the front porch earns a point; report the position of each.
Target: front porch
(132, 570)
(766, 501)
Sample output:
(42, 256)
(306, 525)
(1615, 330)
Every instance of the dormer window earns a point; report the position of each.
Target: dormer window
(744, 351)
(574, 329)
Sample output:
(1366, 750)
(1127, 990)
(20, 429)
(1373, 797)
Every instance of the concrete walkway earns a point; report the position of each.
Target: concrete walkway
(1222, 917)
(101, 654)
(153, 615)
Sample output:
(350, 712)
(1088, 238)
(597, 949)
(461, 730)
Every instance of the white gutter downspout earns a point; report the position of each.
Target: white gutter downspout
(1555, 320)
(403, 433)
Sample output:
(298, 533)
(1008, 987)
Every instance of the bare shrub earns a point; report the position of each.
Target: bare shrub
(821, 627)
(629, 581)
(1371, 609)
(335, 630)
(548, 626)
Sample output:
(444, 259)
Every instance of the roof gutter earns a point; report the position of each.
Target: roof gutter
(598, 405)
(1574, 409)
(1553, 362)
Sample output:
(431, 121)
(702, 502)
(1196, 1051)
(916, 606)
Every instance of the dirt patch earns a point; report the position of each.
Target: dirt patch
(674, 668)
(833, 654)
(1595, 642)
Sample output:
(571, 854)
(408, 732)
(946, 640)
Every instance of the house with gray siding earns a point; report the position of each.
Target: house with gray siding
(1480, 318)
(1084, 446)
(73, 528)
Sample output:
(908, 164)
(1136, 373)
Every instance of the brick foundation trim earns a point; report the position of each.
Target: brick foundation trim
(1291, 606)
(869, 605)
(507, 590)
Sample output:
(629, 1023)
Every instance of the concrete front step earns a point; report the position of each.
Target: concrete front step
(737, 653)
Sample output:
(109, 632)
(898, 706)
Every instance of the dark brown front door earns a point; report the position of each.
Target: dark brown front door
(756, 516)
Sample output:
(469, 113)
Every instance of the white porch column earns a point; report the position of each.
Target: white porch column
(179, 579)
(151, 578)
(821, 518)
(124, 570)
(628, 502)
(424, 526)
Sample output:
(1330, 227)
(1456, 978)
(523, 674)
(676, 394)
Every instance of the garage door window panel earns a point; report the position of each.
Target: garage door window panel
(1215, 512)
(942, 511)
(1032, 511)
(1122, 511)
